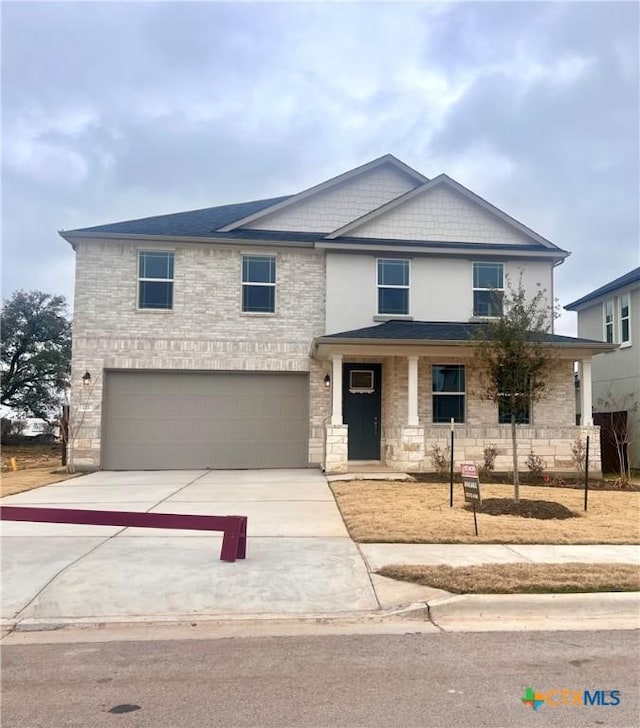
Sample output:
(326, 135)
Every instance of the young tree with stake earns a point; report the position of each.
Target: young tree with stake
(514, 359)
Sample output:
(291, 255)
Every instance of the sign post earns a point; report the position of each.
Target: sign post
(586, 474)
(471, 485)
(451, 467)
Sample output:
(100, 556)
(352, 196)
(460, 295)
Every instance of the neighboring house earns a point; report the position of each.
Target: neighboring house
(612, 313)
(27, 426)
(323, 328)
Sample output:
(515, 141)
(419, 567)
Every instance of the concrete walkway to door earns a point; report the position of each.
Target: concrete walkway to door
(300, 559)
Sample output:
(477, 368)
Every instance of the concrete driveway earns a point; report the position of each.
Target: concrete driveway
(300, 559)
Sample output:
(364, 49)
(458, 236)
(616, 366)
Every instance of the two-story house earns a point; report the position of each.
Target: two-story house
(325, 328)
(611, 313)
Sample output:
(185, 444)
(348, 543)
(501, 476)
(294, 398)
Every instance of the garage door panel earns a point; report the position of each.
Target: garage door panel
(165, 420)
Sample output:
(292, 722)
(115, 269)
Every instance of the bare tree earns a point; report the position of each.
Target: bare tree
(514, 358)
(77, 416)
(617, 426)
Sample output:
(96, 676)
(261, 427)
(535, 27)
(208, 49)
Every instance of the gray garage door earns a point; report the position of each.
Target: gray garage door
(178, 420)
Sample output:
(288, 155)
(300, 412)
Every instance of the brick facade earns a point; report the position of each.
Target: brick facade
(205, 331)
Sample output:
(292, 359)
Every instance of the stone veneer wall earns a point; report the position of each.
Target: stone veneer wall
(551, 434)
(205, 331)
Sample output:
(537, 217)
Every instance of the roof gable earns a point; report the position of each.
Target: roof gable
(337, 201)
(442, 210)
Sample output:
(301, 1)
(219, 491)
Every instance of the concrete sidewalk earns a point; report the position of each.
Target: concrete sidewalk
(378, 555)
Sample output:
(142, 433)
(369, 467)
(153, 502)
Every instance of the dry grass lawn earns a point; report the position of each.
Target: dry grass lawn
(22, 480)
(521, 578)
(388, 512)
(31, 456)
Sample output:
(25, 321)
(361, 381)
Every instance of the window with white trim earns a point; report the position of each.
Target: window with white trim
(393, 286)
(609, 323)
(258, 284)
(155, 279)
(448, 392)
(488, 289)
(625, 316)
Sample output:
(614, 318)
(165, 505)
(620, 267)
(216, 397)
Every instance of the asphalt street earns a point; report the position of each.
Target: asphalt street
(404, 680)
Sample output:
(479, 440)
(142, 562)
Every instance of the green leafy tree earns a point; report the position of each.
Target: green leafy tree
(514, 358)
(36, 353)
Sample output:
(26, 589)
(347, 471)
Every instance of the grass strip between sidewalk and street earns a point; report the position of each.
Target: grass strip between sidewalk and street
(406, 512)
(520, 578)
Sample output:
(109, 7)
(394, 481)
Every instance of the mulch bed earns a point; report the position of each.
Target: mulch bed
(576, 483)
(541, 509)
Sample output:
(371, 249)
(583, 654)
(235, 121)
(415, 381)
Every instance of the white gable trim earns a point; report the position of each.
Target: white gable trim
(442, 179)
(386, 159)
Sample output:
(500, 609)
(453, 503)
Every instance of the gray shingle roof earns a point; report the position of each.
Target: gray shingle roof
(193, 223)
(434, 331)
(631, 277)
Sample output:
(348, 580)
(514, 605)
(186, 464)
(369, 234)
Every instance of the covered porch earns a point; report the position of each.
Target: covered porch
(397, 390)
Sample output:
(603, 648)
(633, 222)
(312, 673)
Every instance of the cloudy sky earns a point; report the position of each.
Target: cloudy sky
(119, 110)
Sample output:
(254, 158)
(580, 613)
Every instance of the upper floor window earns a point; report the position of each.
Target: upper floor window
(625, 314)
(609, 324)
(488, 289)
(448, 392)
(393, 286)
(155, 279)
(616, 320)
(258, 284)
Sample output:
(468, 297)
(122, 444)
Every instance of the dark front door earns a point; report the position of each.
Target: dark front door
(361, 409)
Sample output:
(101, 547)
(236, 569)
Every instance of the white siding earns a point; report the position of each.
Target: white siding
(326, 211)
(441, 288)
(616, 374)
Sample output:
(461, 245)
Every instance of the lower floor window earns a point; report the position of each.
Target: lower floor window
(448, 392)
(522, 408)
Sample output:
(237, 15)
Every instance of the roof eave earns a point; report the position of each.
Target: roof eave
(76, 237)
(578, 349)
(423, 247)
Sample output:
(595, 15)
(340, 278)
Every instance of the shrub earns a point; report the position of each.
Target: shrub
(535, 464)
(490, 453)
(440, 458)
(578, 454)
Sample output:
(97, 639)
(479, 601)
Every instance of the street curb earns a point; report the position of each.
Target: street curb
(610, 606)
(476, 612)
(412, 611)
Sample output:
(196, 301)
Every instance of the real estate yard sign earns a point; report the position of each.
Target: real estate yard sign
(471, 485)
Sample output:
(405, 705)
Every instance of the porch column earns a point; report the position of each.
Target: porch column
(586, 418)
(412, 392)
(336, 389)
